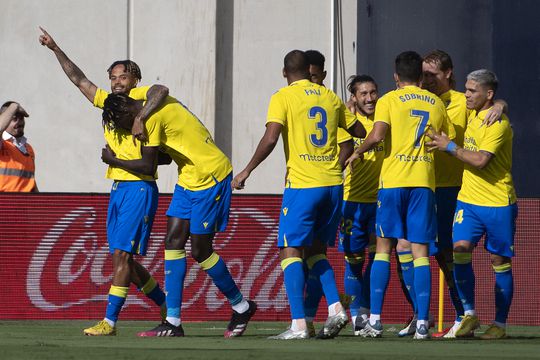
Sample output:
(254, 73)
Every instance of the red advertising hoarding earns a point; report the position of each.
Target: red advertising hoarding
(55, 263)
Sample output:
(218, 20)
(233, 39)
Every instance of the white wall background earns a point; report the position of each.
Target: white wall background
(176, 43)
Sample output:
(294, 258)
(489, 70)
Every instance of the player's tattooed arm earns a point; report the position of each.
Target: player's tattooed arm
(156, 95)
(72, 71)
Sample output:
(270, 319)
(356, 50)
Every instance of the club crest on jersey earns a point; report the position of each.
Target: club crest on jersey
(205, 224)
(285, 211)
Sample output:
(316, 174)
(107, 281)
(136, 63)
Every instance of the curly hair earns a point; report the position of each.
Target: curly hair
(129, 67)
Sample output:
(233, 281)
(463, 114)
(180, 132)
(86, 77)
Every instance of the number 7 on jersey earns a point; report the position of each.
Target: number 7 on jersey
(421, 128)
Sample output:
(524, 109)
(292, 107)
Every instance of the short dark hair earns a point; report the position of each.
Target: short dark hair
(296, 62)
(357, 80)
(409, 66)
(443, 60)
(315, 58)
(129, 67)
(116, 106)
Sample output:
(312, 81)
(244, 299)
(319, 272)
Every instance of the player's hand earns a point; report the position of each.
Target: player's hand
(438, 141)
(16, 108)
(137, 131)
(239, 181)
(494, 114)
(46, 40)
(20, 110)
(107, 155)
(349, 163)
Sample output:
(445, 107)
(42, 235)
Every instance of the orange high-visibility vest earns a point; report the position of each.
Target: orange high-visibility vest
(16, 169)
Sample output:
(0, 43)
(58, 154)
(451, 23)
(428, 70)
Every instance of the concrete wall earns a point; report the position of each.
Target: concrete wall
(264, 31)
(222, 58)
(500, 35)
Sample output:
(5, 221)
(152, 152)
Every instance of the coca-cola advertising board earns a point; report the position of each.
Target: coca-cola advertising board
(55, 263)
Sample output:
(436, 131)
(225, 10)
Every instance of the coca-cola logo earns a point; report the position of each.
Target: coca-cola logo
(72, 258)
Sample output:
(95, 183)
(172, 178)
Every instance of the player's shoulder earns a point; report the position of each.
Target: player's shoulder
(429, 97)
(503, 123)
(457, 95)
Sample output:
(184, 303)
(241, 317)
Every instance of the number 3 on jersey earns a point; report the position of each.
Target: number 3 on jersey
(421, 128)
(319, 138)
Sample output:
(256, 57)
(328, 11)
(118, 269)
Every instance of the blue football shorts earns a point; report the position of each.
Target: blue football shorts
(308, 214)
(497, 223)
(446, 199)
(207, 210)
(357, 224)
(132, 207)
(407, 213)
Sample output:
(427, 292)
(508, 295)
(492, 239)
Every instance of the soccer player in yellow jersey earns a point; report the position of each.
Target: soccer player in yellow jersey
(133, 201)
(314, 291)
(439, 79)
(486, 202)
(308, 116)
(406, 200)
(360, 188)
(199, 207)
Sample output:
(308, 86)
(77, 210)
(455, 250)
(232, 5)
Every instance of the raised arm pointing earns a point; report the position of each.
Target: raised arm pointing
(74, 74)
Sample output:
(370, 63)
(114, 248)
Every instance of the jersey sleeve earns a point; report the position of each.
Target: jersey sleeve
(349, 117)
(382, 111)
(99, 98)
(494, 137)
(139, 93)
(153, 130)
(277, 110)
(448, 126)
(343, 136)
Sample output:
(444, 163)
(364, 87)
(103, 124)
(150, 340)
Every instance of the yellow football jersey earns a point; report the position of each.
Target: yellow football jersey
(138, 93)
(343, 135)
(493, 185)
(201, 164)
(448, 169)
(310, 115)
(409, 112)
(121, 142)
(362, 184)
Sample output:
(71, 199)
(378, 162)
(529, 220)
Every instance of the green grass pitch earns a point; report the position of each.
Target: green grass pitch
(65, 340)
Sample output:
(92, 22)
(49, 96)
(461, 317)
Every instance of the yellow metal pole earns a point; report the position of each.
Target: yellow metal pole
(442, 286)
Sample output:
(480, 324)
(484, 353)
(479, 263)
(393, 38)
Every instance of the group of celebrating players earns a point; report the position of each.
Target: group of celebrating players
(424, 170)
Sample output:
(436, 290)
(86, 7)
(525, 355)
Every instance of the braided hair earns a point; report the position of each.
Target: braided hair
(129, 67)
(115, 108)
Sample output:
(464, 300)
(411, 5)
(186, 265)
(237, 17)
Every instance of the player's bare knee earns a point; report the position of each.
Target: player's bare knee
(497, 260)
(463, 247)
(200, 253)
(174, 243)
(289, 252)
(403, 245)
